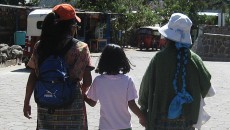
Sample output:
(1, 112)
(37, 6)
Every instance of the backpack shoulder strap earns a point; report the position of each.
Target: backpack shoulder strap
(69, 45)
(74, 40)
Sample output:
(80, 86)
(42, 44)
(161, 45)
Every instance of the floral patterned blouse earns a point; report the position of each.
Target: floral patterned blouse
(77, 57)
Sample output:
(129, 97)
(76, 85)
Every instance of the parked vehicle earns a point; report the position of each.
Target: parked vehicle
(149, 37)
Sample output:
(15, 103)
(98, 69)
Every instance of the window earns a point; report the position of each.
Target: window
(39, 24)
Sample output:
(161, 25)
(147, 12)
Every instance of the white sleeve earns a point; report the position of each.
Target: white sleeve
(132, 92)
(203, 115)
(211, 92)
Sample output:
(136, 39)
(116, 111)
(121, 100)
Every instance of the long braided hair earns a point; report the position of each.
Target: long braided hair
(182, 61)
(182, 96)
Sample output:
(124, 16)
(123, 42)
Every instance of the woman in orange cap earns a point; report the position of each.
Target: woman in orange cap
(58, 30)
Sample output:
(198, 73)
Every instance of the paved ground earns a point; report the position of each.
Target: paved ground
(13, 81)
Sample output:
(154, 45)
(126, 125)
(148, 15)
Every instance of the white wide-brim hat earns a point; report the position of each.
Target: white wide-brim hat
(177, 29)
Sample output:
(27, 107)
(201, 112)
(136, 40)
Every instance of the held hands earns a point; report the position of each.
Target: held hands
(27, 111)
(89, 101)
(136, 110)
(143, 121)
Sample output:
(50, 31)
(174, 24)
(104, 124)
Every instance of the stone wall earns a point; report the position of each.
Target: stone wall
(213, 43)
(12, 19)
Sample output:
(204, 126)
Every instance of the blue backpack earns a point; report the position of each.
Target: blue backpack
(54, 89)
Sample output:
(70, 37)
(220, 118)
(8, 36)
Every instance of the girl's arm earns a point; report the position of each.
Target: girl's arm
(29, 90)
(136, 110)
(91, 102)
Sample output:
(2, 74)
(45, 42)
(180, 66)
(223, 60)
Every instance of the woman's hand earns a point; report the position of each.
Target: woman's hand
(29, 90)
(27, 111)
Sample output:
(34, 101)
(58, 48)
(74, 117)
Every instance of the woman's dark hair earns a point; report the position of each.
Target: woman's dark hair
(53, 35)
(113, 61)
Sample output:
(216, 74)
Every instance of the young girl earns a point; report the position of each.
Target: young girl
(115, 91)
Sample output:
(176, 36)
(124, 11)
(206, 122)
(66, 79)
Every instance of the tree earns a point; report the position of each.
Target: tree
(133, 14)
(33, 3)
(224, 6)
(136, 12)
(13, 2)
(188, 7)
(3, 2)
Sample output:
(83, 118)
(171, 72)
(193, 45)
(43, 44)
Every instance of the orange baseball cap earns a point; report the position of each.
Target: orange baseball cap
(66, 12)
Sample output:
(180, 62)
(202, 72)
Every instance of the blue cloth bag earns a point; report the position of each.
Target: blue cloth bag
(175, 107)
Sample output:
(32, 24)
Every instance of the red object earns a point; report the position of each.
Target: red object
(149, 37)
(29, 47)
(66, 12)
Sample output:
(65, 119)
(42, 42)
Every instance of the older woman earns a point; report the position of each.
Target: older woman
(175, 82)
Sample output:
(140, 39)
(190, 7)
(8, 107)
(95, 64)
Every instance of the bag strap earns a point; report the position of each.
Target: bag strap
(74, 40)
(67, 47)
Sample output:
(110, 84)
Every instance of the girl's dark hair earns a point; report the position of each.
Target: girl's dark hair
(53, 35)
(113, 61)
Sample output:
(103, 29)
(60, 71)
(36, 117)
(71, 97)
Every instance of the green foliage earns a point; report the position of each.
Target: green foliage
(34, 2)
(12, 2)
(147, 16)
(94, 5)
(208, 20)
(188, 7)
(132, 14)
(227, 20)
(126, 8)
(3, 2)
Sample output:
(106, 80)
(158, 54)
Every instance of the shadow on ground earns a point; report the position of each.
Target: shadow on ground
(25, 70)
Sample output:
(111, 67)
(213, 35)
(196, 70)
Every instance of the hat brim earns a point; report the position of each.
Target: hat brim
(174, 35)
